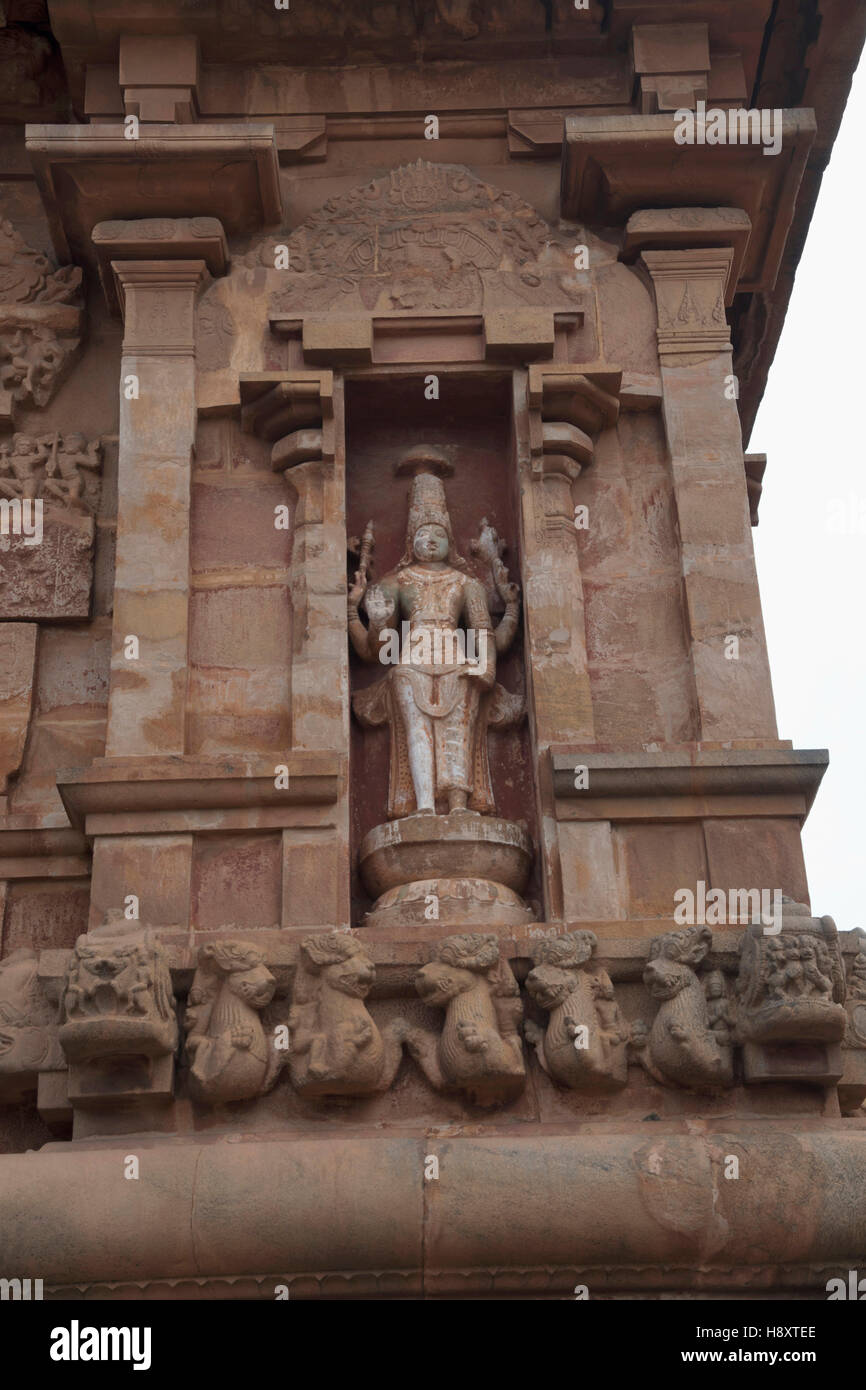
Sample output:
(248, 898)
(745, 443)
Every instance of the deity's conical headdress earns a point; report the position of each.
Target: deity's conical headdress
(427, 506)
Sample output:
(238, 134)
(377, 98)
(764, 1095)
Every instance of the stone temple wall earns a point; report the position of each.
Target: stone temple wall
(393, 816)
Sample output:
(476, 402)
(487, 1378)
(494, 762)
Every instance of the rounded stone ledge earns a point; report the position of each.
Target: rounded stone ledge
(459, 845)
(509, 1204)
(460, 902)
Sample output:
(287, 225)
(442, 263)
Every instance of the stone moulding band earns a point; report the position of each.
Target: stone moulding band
(617, 782)
(357, 1205)
(187, 786)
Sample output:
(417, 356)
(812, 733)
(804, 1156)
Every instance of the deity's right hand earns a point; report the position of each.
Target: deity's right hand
(380, 608)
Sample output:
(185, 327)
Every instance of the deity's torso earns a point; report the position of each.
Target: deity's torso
(431, 604)
(430, 596)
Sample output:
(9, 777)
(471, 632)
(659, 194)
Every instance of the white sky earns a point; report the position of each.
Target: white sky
(811, 564)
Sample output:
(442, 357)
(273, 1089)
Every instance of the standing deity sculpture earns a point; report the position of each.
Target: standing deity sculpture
(429, 622)
(430, 627)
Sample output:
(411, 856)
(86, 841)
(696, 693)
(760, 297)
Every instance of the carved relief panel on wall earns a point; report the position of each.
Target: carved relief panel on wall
(49, 491)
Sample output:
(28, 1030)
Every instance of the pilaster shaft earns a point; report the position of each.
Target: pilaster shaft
(723, 610)
(147, 702)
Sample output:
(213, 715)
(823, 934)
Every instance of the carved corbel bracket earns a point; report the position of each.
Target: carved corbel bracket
(294, 412)
(568, 409)
(690, 230)
(616, 166)
(157, 239)
(87, 173)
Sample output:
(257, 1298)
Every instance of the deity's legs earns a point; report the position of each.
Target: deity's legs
(419, 738)
(439, 746)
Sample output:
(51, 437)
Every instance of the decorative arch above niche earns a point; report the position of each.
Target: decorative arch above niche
(430, 240)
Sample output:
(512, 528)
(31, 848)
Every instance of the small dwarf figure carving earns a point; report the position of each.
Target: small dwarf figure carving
(479, 1049)
(230, 1055)
(335, 1047)
(49, 467)
(584, 1044)
(33, 357)
(63, 478)
(719, 1010)
(681, 1046)
(21, 466)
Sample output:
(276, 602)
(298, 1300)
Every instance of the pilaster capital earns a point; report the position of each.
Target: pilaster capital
(154, 240)
(158, 300)
(690, 286)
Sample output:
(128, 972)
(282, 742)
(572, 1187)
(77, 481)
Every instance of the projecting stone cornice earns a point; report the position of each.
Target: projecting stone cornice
(614, 166)
(674, 784)
(171, 795)
(89, 173)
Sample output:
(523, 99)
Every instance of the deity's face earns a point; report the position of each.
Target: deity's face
(430, 543)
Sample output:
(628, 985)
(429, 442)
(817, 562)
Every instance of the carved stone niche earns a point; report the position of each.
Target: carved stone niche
(40, 322)
(49, 487)
(118, 1021)
(791, 990)
(28, 1028)
(444, 854)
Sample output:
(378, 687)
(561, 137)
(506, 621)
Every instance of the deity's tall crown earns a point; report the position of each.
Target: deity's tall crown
(427, 506)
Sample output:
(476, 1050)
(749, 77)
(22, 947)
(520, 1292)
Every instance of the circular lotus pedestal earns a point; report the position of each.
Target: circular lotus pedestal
(460, 870)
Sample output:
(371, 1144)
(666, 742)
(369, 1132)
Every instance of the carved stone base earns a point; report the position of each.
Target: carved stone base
(129, 1078)
(816, 1062)
(459, 870)
(852, 1083)
(452, 902)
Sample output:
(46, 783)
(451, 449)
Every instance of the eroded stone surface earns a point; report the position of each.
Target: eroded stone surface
(361, 885)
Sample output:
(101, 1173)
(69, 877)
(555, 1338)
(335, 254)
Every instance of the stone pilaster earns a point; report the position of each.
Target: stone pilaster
(154, 284)
(568, 409)
(732, 677)
(147, 701)
(294, 411)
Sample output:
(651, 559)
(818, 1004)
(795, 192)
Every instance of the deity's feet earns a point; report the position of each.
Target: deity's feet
(459, 871)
